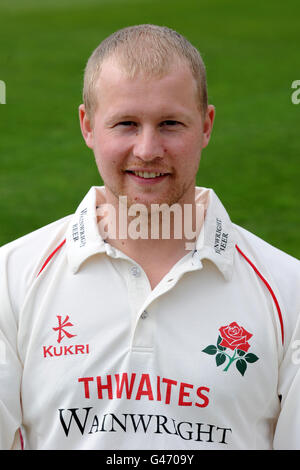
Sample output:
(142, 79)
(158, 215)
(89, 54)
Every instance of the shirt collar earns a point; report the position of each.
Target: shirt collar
(215, 242)
(83, 238)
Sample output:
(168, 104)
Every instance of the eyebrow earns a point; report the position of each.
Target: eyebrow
(119, 117)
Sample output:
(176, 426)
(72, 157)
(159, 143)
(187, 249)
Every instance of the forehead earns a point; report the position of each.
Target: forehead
(175, 87)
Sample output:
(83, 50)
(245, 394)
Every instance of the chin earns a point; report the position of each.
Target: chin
(149, 201)
(147, 198)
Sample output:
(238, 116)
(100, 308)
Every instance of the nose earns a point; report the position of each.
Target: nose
(148, 145)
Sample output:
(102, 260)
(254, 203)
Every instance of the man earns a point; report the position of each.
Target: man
(111, 340)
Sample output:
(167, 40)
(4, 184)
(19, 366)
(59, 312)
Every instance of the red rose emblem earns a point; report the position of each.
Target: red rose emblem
(235, 337)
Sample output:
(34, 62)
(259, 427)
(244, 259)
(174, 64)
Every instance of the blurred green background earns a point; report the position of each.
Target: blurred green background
(252, 54)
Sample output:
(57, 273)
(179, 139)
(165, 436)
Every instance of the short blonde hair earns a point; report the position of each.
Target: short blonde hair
(147, 49)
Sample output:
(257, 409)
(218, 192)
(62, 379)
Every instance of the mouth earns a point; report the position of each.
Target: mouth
(147, 174)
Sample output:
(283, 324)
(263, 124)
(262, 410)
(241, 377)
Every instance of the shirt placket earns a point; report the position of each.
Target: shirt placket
(144, 318)
(142, 323)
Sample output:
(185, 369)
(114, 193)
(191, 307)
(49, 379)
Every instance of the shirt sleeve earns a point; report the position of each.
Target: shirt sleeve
(287, 432)
(10, 367)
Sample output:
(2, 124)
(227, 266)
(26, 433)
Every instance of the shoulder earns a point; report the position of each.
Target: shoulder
(282, 265)
(31, 245)
(22, 259)
(279, 269)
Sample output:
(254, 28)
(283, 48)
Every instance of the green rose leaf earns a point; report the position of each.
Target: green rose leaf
(250, 357)
(221, 348)
(240, 352)
(211, 349)
(220, 359)
(241, 366)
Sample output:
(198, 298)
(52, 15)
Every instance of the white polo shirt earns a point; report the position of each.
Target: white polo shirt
(92, 358)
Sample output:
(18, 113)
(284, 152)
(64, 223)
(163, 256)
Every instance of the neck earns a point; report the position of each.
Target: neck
(155, 238)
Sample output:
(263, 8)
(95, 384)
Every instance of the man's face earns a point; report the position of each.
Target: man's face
(147, 135)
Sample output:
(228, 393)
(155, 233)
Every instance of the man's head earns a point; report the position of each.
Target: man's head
(145, 115)
(147, 49)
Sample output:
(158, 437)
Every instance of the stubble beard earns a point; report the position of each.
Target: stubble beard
(122, 199)
(183, 195)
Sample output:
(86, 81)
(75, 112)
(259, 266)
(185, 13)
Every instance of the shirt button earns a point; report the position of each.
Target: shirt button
(144, 315)
(135, 271)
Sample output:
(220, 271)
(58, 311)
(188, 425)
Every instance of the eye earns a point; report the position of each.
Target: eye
(170, 123)
(126, 123)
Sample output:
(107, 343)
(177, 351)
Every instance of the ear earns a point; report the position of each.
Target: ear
(86, 126)
(208, 124)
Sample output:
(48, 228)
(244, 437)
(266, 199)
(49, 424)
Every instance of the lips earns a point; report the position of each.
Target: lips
(147, 174)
